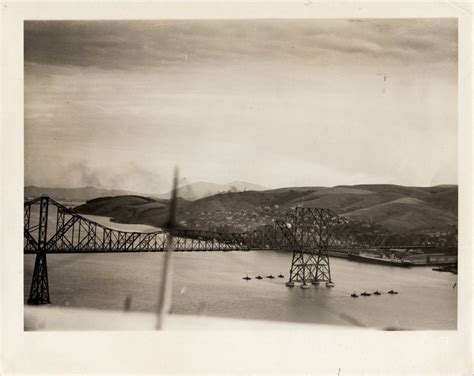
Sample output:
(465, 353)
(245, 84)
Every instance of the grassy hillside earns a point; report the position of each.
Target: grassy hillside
(405, 214)
(128, 209)
(397, 208)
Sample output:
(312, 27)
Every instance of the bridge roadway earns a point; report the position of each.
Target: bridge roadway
(58, 229)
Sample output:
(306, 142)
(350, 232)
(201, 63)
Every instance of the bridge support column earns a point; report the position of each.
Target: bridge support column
(323, 269)
(39, 292)
(303, 268)
(310, 268)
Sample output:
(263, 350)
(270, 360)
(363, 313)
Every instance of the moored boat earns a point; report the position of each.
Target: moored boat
(379, 259)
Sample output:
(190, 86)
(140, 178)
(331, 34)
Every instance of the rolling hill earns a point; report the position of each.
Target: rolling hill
(405, 214)
(129, 209)
(397, 208)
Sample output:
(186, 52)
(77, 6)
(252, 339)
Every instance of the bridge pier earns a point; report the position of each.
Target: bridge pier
(310, 268)
(39, 291)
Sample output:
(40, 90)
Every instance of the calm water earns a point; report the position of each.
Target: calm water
(210, 283)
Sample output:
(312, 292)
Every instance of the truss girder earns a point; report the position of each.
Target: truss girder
(305, 229)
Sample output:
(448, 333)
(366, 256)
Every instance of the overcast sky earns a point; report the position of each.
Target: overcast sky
(273, 102)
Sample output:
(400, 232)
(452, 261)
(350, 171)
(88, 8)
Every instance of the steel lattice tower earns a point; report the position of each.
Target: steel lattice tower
(39, 292)
(310, 232)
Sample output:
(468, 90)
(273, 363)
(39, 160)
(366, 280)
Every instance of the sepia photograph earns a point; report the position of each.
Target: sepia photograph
(236, 188)
(203, 173)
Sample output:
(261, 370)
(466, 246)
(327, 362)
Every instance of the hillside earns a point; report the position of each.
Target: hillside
(405, 214)
(397, 208)
(129, 209)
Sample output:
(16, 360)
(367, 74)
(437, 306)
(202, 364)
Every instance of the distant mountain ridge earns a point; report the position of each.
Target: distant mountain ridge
(396, 208)
(75, 194)
(200, 190)
(192, 191)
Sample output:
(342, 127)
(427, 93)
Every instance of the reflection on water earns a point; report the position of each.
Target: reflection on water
(210, 283)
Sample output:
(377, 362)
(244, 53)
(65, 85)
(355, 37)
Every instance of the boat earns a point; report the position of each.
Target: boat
(281, 276)
(378, 259)
(259, 277)
(247, 278)
(329, 284)
(365, 294)
(270, 276)
(393, 292)
(354, 295)
(377, 293)
(449, 268)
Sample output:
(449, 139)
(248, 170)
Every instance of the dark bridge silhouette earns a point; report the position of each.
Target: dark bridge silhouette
(310, 233)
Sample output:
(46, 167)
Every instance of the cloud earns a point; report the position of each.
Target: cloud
(81, 172)
(130, 45)
(234, 100)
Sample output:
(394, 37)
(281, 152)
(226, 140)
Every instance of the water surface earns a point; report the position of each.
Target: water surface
(211, 284)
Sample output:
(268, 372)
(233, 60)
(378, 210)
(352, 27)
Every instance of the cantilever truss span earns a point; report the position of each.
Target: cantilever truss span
(69, 232)
(310, 233)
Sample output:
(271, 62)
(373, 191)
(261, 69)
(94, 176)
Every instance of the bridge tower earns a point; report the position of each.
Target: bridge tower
(309, 232)
(39, 292)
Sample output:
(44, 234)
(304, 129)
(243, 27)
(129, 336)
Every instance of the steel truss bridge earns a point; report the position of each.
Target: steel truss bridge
(310, 233)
